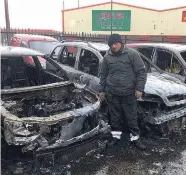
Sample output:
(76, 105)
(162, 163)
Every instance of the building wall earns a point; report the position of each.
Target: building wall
(80, 20)
(143, 21)
(172, 22)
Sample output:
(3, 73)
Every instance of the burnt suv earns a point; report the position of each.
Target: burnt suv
(41, 109)
(164, 98)
(170, 58)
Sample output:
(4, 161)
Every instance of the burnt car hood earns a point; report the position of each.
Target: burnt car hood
(165, 87)
(159, 84)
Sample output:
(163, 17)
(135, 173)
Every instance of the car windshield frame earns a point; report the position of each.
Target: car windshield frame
(43, 42)
(183, 52)
(149, 61)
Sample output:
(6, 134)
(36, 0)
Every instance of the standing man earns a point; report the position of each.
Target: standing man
(122, 81)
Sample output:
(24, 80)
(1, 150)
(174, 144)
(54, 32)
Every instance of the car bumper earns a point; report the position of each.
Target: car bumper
(167, 116)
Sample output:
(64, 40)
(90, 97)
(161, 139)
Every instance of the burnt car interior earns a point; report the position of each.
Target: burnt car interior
(148, 52)
(88, 62)
(71, 108)
(16, 72)
(68, 56)
(49, 102)
(167, 62)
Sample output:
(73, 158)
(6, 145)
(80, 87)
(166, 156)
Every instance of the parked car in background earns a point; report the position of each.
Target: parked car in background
(39, 43)
(170, 58)
(41, 109)
(164, 98)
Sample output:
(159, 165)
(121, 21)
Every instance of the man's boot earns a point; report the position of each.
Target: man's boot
(139, 144)
(111, 140)
(125, 139)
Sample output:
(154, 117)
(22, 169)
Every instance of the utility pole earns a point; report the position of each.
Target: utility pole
(111, 16)
(7, 20)
(78, 3)
(7, 15)
(63, 5)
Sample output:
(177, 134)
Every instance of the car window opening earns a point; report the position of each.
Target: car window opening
(167, 62)
(22, 72)
(183, 54)
(68, 56)
(88, 62)
(147, 52)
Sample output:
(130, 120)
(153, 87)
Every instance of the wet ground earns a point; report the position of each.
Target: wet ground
(163, 157)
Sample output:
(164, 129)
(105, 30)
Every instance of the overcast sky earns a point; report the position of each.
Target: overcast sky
(46, 14)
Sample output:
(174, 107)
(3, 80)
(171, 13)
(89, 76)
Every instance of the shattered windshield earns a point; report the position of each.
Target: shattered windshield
(183, 54)
(42, 46)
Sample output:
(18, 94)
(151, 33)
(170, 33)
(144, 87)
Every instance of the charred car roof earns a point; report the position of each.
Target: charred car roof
(98, 46)
(8, 51)
(177, 47)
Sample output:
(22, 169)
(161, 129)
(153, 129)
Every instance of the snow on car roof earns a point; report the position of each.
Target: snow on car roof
(97, 46)
(178, 47)
(6, 51)
(100, 46)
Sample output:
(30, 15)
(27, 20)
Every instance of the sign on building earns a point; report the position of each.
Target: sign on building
(184, 16)
(102, 19)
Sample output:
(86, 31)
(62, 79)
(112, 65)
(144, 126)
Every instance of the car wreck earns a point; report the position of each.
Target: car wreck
(170, 58)
(40, 108)
(163, 106)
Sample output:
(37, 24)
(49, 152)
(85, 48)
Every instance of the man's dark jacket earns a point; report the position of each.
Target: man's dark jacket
(122, 73)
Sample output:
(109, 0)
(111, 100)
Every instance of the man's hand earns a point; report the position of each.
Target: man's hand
(101, 96)
(138, 94)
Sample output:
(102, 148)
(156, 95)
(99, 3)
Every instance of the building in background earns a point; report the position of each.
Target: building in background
(126, 19)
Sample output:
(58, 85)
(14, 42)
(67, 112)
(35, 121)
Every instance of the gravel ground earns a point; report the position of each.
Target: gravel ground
(162, 157)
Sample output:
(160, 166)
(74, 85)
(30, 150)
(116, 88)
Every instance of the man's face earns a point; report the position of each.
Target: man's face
(115, 47)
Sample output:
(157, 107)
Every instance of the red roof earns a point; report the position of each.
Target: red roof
(118, 3)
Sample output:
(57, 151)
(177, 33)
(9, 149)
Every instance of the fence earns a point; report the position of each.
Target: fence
(7, 35)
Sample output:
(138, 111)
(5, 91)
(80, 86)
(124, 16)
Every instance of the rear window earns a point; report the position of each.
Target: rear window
(183, 54)
(42, 46)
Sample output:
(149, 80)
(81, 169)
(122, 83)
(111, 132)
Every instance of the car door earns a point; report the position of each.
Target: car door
(148, 51)
(88, 66)
(169, 62)
(62, 53)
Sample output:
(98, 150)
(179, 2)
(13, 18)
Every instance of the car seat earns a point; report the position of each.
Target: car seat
(18, 73)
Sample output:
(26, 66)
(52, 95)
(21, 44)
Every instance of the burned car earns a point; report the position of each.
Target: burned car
(164, 97)
(170, 58)
(41, 108)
